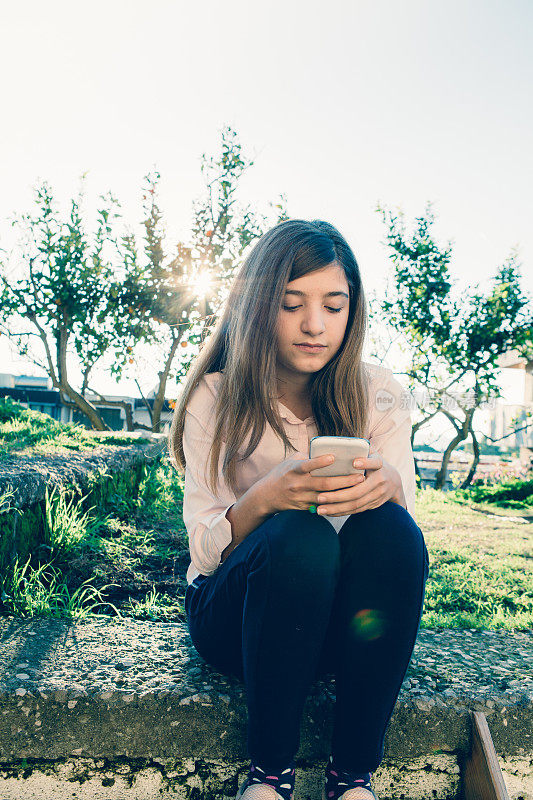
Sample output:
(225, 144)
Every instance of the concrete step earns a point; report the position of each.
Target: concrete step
(121, 708)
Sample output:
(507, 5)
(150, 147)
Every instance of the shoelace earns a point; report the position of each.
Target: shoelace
(339, 781)
(282, 782)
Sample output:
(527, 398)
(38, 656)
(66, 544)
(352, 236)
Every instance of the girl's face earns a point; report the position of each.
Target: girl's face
(320, 316)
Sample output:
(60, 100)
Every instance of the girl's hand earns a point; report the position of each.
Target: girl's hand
(382, 482)
(289, 485)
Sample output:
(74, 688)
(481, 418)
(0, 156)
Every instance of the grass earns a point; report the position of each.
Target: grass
(24, 431)
(481, 563)
(129, 557)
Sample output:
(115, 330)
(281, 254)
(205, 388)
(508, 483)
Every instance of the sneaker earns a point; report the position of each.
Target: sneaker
(346, 785)
(355, 793)
(257, 791)
(252, 789)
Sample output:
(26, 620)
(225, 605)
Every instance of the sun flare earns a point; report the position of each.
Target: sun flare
(201, 283)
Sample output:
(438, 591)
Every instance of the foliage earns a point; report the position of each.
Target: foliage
(10, 409)
(86, 539)
(454, 341)
(67, 292)
(57, 293)
(510, 493)
(182, 291)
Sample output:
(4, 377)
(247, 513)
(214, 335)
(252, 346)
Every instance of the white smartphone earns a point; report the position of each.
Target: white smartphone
(345, 449)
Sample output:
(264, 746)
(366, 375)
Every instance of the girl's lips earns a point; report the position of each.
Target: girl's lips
(308, 349)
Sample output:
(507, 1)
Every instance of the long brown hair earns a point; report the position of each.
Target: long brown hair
(242, 344)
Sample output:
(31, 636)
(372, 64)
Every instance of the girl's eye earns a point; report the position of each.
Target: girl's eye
(293, 308)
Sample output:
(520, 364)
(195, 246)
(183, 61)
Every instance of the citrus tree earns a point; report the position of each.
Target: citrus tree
(56, 295)
(454, 338)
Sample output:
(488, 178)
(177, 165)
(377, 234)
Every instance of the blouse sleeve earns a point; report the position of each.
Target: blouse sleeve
(391, 434)
(204, 514)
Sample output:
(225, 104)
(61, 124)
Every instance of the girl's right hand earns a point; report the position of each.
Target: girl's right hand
(290, 486)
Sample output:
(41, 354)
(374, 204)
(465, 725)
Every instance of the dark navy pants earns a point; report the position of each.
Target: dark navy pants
(296, 601)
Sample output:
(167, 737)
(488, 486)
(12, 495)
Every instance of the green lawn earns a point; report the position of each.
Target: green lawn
(130, 555)
(481, 563)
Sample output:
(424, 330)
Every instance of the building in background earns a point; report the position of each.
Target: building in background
(516, 402)
(36, 392)
(516, 384)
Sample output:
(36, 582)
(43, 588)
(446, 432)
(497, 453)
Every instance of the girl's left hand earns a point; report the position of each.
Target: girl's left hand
(382, 482)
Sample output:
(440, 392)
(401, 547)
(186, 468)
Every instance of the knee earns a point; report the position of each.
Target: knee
(404, 550)
(389, 529)
(407, 530)
(304, 543)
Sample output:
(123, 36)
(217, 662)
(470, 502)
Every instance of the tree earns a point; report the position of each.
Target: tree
(181, 294)
(454, 342)
(99, 295)
(62, 295)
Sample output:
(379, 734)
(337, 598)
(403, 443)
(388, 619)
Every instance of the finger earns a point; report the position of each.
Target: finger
(343, 493)
(374, 461)
(333, 482)
(321, 489)
(350, 507)
(316, 462)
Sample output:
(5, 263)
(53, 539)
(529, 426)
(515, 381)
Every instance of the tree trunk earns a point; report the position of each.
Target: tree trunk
(83, 405)
(472, 471)
(64, 386)
(148, 408)
(159, 399)
(440, 478)
(417, 468)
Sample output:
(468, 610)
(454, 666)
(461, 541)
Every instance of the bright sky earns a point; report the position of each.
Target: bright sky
(342, 105)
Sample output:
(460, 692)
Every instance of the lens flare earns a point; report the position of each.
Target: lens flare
(368, 624)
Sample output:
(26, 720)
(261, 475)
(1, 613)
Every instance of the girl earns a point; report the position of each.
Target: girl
(276, 595)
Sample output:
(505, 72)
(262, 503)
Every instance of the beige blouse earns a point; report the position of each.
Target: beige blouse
(204, 514)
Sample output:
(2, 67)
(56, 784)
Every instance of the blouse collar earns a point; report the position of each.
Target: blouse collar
(287, 414)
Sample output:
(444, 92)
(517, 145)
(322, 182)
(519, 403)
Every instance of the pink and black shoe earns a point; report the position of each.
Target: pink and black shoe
(342, 785)
(258, 785)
